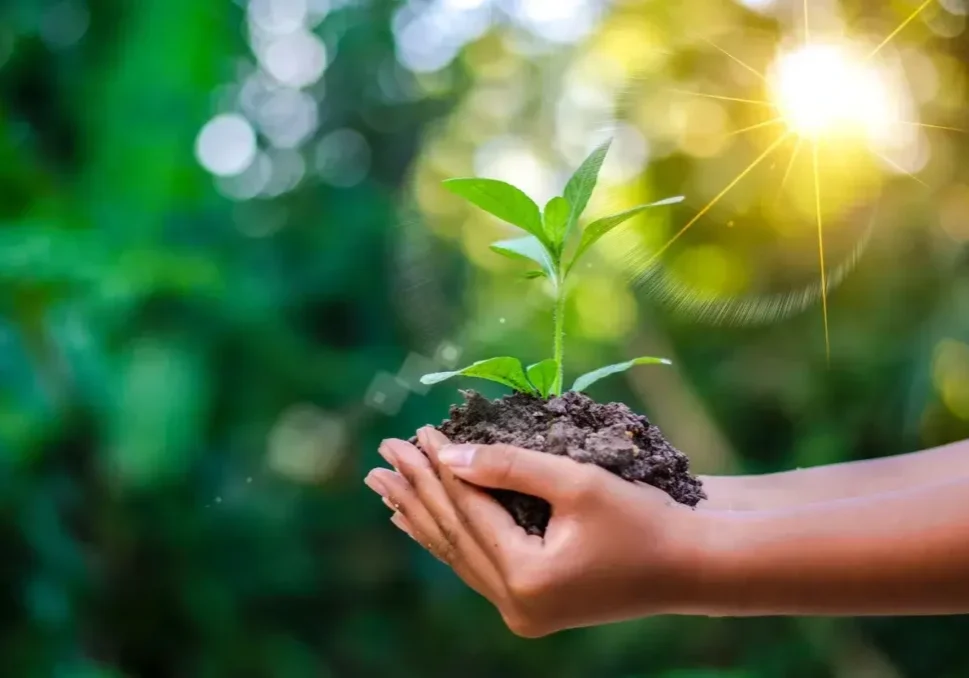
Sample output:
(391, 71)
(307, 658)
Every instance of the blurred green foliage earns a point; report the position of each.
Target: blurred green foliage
(196, 371)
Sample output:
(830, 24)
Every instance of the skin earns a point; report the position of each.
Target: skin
(869, 538)
(838, 481)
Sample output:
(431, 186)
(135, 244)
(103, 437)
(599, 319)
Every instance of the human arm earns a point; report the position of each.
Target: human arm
(900, 553)
(615, 550)
(837, 481)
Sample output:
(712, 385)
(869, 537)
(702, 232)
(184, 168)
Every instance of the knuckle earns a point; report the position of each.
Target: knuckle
(447, 553)
(451, 535)
(449, 550)
(503, 459)
(523, 625)
(584, 486)
(415, 475)
(528, 585)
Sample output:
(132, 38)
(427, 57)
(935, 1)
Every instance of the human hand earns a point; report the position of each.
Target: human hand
(613, 550)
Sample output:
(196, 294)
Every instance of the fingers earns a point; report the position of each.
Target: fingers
(421, 478)
(425, 503)
(554, 478)
(400, 522)
(492, 527)
(400, 498)
(415, 521)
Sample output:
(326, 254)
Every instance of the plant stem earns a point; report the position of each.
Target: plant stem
(559, 343)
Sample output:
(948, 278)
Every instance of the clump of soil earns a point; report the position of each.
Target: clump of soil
(609, 435)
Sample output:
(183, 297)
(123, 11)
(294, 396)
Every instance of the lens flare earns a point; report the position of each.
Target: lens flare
(825, 90)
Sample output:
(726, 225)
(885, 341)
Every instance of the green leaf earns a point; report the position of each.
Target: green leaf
(507, 371)
(583, 183)
(543, 376)
(586, 380)
(531, 275)
(528, 249)
(502, 200)
(556, 218)
(600, 227)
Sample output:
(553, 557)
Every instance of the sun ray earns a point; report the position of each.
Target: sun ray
(807, 24)
(736, 59)
(745, 310)
(824, 281)
(719, 196)
(790, 166)
(900, 168)
(765, 123)
(929, 126)
(758, 102)
(901, 26)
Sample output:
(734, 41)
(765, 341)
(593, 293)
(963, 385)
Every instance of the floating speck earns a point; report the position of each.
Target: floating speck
(448, 354)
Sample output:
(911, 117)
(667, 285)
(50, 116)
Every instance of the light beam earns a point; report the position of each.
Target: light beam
(824, 280)
(709, 205)
(901, 26)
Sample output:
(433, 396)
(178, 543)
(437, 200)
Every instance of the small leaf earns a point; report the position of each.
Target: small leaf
(502, 200)
(586, 380)
(583, 183)
(543, 376)
(507, 371)
(594, 231)
(556, 218)
(526, 249)
(531, 275)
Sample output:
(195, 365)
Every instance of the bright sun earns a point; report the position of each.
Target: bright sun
(825, 89)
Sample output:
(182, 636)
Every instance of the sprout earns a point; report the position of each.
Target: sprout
(550, 233)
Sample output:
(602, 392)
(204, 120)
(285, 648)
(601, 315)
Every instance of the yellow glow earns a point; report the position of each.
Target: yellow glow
(951, 376)
(710, 272)
(825, 90)
(605, 309)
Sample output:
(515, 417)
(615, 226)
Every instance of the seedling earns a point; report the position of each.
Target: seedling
(556, 246)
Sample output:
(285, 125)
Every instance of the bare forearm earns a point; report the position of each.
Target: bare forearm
(838, 481)
(903, 553)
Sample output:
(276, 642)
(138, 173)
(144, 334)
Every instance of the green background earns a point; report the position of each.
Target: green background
(196, 371)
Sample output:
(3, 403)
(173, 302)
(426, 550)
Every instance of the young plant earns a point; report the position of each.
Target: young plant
(552, 233)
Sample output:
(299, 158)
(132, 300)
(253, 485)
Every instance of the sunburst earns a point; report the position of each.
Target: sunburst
(819, 90)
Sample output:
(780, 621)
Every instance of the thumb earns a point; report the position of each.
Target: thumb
(506, 467)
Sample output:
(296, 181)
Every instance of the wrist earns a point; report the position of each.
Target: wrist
(703, 555)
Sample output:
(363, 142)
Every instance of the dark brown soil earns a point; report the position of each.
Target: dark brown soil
(609, 435)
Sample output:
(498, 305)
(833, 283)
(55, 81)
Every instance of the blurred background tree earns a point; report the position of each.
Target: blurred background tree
(226, 259)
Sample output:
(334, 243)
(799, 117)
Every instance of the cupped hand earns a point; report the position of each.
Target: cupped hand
(613, 550)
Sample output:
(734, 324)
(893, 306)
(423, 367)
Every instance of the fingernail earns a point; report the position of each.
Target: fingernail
(401, 523)
(433, 437)
(388, 454)
(375, 485)
(457, 455)
(422, 439)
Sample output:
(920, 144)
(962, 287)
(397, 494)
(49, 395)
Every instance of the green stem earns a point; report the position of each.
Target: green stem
(559, 346)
